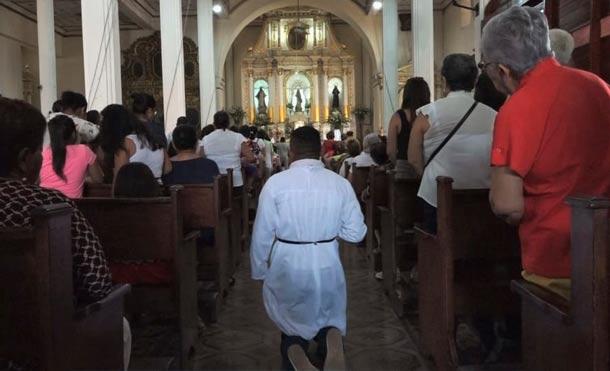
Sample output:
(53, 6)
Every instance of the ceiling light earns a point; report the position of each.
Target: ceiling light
(377, 5)
(217, 8)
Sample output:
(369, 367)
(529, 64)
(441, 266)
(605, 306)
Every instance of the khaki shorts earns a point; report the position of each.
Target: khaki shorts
(560, 286)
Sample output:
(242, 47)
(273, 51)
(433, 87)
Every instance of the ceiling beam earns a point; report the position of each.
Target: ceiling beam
(138, 15)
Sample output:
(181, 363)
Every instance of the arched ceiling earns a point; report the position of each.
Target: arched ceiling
(144, 14)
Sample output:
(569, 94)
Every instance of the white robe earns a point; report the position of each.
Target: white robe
(304, 285)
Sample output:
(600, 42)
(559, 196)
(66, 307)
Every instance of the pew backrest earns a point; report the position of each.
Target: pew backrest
(97, 190)
(36, 290)
(153, 236)
(402, 200)
(203, 205)
(360, 176)
(466, 223)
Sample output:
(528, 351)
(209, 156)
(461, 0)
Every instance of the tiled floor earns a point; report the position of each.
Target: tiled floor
(245, 339)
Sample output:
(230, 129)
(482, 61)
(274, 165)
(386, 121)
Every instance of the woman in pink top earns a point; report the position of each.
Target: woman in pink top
(65, 165)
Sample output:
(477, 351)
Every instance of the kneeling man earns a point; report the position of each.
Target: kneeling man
(301, 213)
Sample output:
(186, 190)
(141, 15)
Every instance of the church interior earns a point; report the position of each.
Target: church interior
(456, 298)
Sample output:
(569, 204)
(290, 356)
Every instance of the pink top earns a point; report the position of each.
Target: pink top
(78, 159)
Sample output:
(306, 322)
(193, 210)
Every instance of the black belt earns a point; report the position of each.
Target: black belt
(304, 242)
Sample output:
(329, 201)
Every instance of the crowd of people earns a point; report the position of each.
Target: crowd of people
(543, 127)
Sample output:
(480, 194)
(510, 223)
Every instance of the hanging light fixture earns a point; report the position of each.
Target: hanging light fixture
(300, 27)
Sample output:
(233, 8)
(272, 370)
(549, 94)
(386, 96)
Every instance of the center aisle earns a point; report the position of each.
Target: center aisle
(245, 339)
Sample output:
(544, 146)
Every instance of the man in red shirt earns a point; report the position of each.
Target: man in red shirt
(551, 140)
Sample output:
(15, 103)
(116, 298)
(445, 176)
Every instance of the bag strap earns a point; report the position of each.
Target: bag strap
(451, 134)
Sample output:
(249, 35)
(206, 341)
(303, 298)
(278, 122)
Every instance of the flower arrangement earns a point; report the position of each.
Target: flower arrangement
(237, 114)
(262, 120)
(337, 120)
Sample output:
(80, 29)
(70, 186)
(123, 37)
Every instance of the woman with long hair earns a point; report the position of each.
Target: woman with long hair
(125, 139)
(416, 94)
(65, 164)
(144, 108)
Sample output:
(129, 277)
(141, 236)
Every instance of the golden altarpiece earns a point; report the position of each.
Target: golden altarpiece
(297, 72)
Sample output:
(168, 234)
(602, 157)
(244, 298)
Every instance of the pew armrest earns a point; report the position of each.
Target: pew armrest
(422, 232)
(117, 293)
(549, 302)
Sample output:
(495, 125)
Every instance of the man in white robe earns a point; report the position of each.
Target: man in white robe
(301, 213)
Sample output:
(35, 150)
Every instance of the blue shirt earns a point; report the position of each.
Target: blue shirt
(196, 171)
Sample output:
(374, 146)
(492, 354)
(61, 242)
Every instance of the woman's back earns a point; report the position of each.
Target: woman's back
(78, 159)
(153, 159)
(195, 171)
(224, 148)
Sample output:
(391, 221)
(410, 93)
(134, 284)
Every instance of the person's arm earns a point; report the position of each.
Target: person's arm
(392, 145)
(246, 152)
(353, 228)
(506, 194)
(122, 156)
(167, 164)
(416, 143)
(95, 173)
(263, 234)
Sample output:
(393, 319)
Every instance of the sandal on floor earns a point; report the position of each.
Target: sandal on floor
(335, 357)
(299, 359)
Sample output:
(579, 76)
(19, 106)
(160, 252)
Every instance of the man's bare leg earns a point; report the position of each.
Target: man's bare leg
(299, 359)
(335, 357)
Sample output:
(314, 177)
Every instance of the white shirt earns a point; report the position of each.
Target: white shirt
(87, 131)
(224, 148)
(153, 159)
(466, 157)
(364, 159)
(347, 161)
(304, 285)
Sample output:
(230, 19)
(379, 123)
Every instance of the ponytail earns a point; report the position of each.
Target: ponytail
(61, 131)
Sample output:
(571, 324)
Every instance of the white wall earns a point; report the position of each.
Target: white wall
(11, 69)
(458, 31)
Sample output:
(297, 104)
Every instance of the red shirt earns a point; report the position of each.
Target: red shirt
(554, 132)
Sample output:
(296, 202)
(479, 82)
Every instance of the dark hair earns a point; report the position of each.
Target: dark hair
(282, 140)
(62, 132)
(184, 137)
(117, 123)
(486, 93)
(262, 134)
(135, 180)
(245, 131)
(93, 116)
(56, 108)
(208, 129)
(234, 128)
(353, 147)
(21, 127)
(72, 100)
(379, 153)
(415, 95)
(349, 133)
(221, 120)
(330, 135)
(460, 71)
(305, 141)
(142, 102)
(194, 118)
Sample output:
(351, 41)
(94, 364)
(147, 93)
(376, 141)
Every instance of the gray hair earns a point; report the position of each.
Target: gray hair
(369, 140)
(517, 38)
(562, 44)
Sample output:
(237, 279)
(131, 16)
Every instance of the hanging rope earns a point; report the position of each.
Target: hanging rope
(107, 38)
(99, 60)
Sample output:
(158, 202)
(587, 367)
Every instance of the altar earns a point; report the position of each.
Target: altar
(298, 73)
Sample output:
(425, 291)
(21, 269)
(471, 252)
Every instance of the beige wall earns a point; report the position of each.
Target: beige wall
(458, 31)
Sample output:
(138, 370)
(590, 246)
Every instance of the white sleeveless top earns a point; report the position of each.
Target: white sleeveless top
(466, 157)
(153, 159)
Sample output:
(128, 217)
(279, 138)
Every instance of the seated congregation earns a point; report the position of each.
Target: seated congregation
(485, 214)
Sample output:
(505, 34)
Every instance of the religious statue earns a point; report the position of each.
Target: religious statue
(299, 105)
(262, 106)
(335, 104)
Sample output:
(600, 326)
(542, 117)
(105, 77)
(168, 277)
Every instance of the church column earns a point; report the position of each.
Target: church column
(101, 53)
(478, 27)
(325, 96)
(274, 92)
(251, 107)
(346, 89)
(207, 76)
(422, 18)
(172, 59)
(46, 54)
(315, 93)
(390, 58)
(271, 95)
(281, 92)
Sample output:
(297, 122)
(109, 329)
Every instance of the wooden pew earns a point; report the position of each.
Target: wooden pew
(360, 178)
(209, 206)
(152, 229)
(573, 335)
(39, 325)
(97, 190)
(399, 248)
(463, 270)
(377, 196)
